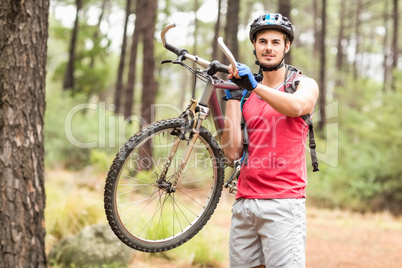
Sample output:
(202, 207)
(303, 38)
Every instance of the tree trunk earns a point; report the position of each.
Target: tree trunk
(23, 54)
(357, 60)
(149, 85)
(317, 31)
(230, 39)
(284, 8)
(340, 56)
(120, 71)
(96, 34)
(217, 54)
(68, 82)
(195, 34)
(395, 42)
(231, 28)
(386, 48)
(322, 98)
(341, 36)
(129, 92)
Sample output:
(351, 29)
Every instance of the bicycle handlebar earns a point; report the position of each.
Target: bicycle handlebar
(216, 65)
(227, 52)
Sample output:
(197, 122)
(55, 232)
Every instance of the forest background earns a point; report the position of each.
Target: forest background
(104, 82)
(349, 48)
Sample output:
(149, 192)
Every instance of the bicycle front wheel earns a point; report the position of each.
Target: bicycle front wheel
(142, 209)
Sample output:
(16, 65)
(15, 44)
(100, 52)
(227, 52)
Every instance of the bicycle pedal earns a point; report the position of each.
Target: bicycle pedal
(232, 187)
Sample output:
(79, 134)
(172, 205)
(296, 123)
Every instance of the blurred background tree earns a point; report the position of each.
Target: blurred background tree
(350, 47)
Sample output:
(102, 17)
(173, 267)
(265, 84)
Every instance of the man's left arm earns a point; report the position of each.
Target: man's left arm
(300, 103)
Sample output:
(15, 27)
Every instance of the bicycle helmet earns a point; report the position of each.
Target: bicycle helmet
(271, 21)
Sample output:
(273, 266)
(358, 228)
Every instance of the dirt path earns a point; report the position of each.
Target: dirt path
(335, 239)
(341, 239)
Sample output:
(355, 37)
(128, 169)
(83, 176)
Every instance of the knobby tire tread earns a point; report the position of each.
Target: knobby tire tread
(112, 179)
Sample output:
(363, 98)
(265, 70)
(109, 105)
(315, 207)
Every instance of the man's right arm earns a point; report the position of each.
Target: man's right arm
(232, 135)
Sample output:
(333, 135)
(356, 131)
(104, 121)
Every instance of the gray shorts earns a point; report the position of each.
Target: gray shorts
(270, 232)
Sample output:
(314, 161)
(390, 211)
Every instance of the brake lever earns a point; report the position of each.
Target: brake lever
(179, 60)
(166, 61)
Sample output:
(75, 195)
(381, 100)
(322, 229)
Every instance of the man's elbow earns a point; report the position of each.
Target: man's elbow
(295, 110)
(232, 154)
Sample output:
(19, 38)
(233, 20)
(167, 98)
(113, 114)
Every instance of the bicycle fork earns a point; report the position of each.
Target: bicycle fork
(191, 139)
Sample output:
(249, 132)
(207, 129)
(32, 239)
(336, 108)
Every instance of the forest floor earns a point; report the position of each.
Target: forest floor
(334, 239)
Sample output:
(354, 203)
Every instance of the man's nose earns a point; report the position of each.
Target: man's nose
(268, 47)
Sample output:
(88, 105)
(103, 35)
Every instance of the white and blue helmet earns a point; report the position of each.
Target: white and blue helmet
(271, 21)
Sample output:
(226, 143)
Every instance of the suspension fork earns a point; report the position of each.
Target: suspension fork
(193, 133)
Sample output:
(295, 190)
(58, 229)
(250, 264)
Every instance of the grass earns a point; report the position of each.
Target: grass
(75, 200)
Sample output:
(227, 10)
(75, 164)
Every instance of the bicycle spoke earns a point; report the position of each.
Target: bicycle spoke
(151, 210)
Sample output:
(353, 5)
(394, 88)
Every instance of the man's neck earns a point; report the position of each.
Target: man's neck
(274, 78)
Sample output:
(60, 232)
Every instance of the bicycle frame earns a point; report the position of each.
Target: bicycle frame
(209, 96)
(159, 206)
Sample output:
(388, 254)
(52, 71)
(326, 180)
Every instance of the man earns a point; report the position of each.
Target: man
(268, 221)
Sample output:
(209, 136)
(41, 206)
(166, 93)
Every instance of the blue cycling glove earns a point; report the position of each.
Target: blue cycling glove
(247, 80)
(236, 94)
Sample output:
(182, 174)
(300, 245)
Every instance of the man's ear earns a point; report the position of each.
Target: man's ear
(287, 47)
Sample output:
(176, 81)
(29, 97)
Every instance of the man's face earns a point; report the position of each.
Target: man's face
(270, 47)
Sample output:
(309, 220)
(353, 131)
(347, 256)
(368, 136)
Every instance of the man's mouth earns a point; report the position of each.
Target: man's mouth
(269, 56)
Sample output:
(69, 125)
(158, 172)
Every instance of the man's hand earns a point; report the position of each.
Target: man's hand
(243, 77)
(236, 94)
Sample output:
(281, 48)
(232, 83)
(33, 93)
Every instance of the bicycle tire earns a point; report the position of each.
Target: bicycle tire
(131, 192)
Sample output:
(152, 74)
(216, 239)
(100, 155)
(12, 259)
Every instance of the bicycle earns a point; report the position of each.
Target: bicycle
(166, 181)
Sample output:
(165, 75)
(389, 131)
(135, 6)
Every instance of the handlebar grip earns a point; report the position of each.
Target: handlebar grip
(223, 69)
(175, 50)
(216, 66)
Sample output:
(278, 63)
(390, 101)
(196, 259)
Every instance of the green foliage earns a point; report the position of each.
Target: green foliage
(57, 148)
(369, 175)
(93, 72)
(80, 133)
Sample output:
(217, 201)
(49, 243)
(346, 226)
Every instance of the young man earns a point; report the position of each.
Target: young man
(268, 221)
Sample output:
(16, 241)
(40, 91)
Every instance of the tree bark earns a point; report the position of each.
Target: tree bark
(284, 8)
(130, 87)
(68, 82)
(317, 31)
(231, 28)
(149, 85)
(341, 36)
(120, 71)
(322, 97)
(97, 33)
(217, 54)
(23, 53)
(357, 39)
(386, 48)
(395, 52)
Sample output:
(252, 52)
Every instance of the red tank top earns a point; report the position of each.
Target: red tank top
(276, 165)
